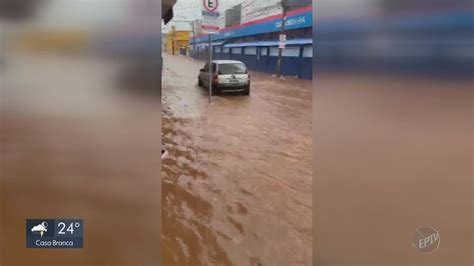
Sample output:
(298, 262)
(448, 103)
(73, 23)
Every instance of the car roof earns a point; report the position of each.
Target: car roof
(227, 62)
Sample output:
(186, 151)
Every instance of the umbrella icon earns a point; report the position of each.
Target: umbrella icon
(40, 228)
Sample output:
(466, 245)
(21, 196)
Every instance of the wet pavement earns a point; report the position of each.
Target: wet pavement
(237, 183)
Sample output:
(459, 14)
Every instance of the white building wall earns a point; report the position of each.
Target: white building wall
(257, 9)
(251, 9)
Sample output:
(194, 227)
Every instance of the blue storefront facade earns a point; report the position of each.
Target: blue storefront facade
(256, 44)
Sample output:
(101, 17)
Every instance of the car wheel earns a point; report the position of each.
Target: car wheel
(246, 92)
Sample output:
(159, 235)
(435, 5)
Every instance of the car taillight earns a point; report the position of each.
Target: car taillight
(216, 80)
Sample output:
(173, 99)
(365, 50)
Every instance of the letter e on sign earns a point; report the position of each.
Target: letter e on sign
(210, 5)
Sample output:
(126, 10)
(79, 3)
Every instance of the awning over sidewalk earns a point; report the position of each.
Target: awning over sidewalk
(207, 44)
(270, 43)
(191, 42)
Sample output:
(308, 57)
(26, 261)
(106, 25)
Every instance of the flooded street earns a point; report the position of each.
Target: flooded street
(237, 183)
(111, 154)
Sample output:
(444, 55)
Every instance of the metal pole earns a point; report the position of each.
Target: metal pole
(210, 70)
(173, 36)
(282, 32)
(194, 39)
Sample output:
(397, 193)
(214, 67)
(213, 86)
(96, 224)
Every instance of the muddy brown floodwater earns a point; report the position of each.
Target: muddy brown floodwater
(237, 186)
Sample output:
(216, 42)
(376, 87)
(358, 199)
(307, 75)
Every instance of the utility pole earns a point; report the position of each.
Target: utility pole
(194, 38)
(173, 37)
(210, 69)
(284, 6)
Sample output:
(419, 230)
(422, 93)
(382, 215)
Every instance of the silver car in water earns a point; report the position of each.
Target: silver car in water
(227, 76)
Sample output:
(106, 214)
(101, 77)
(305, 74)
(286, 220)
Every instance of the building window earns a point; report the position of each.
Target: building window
(291, 51)
(226, 50)
(273, 51)
(308, 51)
(218, 49)
(250, 51)
(237, 50)
(264, 51)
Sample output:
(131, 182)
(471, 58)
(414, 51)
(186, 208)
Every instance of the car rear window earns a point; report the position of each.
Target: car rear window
(229, 69)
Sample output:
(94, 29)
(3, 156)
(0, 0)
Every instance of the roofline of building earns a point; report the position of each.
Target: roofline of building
(293, 13)
(265, 19)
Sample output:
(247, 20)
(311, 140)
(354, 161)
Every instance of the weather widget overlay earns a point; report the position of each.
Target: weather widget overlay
(54, 233)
